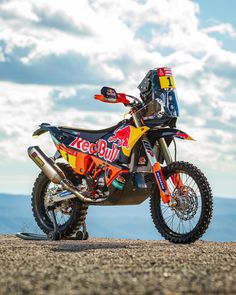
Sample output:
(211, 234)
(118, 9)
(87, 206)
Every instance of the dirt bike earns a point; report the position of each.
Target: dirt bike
(123, 165)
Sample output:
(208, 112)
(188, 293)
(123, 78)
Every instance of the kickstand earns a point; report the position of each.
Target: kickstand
(55, 234)
(84, 228)
(82, 234)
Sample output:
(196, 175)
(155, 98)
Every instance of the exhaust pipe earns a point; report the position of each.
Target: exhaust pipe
(47, 165)
(57, 176)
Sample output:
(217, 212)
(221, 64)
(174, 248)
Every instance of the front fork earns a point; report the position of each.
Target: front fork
(156, 167)
(157, 171)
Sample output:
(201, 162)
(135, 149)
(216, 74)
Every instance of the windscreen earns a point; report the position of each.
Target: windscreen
(159, 94)
(164, 92)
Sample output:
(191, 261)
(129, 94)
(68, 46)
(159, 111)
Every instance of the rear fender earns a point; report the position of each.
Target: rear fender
(54, 131)
(45, 127)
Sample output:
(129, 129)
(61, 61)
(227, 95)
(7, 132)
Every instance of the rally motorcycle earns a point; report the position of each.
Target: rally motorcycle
(123, 165)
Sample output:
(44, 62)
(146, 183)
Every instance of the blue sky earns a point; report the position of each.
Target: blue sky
(55, 55)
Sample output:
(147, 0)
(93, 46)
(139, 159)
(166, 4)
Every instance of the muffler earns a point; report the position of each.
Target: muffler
(57, 176)
(46, 164)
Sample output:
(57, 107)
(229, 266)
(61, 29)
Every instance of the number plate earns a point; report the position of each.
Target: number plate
(167, 82)
(165, 78)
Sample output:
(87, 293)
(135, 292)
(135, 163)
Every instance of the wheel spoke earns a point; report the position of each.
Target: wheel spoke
(184, 219)
(168, 218)
(190, 217)
(172, 220)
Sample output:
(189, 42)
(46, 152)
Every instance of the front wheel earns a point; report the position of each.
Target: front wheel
(189, 219)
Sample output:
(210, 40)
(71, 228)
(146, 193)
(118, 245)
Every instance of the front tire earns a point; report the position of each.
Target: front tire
(70, 215)
(189, 220)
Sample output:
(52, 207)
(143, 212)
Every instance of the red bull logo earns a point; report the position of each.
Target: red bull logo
(183, 135)
(121, 136)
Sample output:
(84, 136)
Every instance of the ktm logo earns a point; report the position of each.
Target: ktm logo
(121, 136)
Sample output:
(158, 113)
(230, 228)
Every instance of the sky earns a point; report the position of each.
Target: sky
(55, 55)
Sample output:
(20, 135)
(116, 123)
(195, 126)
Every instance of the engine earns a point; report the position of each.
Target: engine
(94, 188)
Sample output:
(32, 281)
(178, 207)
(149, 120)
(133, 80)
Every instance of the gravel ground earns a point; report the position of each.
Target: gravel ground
(111, 266)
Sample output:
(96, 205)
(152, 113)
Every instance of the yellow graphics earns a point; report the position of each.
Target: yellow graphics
(71, 159)
(167, 82)
(135, 134)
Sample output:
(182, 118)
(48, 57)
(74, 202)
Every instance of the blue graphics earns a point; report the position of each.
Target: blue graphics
(158, 174)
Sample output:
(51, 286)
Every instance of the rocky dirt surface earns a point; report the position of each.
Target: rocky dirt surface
(111, 266)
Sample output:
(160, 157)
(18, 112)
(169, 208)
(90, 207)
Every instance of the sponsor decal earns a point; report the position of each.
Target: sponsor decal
(37, 159)
(64, 194)
(68, 151)
(183, 135)
(164, 72)
(159, 177)
(165, 78)
(99, 148)
(111, 93)
(150, 153)
(142, 161)
(121, 136)
(148, 148)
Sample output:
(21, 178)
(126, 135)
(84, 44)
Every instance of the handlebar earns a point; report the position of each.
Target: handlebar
(120, 98)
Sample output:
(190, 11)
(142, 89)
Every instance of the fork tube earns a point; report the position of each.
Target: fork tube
(156, 167)
(165, 150)
(161, 141)
(146, 143)
(137, 120)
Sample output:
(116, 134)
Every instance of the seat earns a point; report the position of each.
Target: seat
(88, 134)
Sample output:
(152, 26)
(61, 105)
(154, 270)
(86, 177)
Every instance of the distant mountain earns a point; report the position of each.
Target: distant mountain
(132, 222)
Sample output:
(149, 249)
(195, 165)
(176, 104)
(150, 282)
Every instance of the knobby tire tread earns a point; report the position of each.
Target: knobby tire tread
(79, 208)
(207, 205)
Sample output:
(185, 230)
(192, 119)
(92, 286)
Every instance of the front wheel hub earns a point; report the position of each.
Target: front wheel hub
(187, 203)
(173, 203)
(182, 203)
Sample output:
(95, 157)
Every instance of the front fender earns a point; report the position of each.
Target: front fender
(168, 133)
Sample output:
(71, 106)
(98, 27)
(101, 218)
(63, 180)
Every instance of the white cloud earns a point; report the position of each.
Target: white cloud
(105, 33)
(222, 28)
(20, 9)
(24, 108)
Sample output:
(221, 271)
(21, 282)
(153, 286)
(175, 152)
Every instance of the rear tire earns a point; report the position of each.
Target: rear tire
(172, 223)
(77, 210)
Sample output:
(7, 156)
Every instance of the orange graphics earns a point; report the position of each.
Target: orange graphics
(177, 181)
(87, 164)
(111, 171)
(101, 156)
(161, 182)
(99, 148)
(121, 98)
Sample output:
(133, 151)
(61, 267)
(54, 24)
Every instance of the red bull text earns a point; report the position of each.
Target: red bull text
(99, 148)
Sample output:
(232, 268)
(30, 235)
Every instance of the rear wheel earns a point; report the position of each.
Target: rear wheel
(189, 220)
(70, 214)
